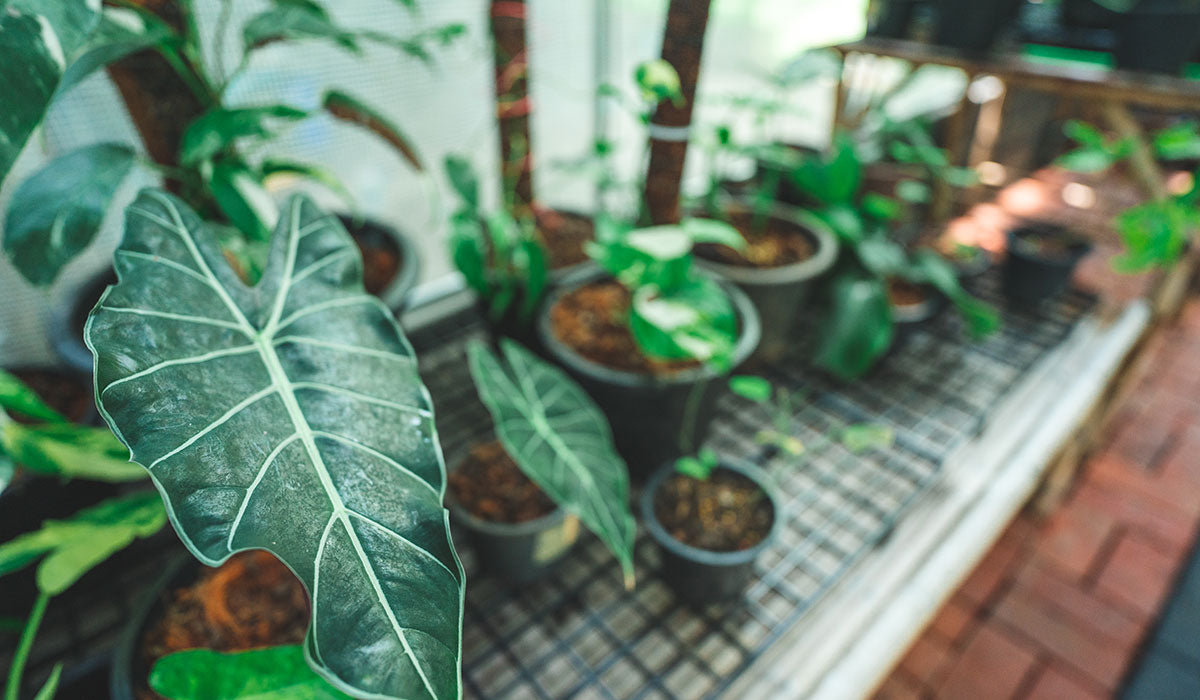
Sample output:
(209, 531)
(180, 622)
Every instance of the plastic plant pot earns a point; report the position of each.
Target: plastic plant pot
(649, 414)
(779, 293)
(373, 234)
(518, 552)
(1032, 275)
(703, 576)
(909, 317)
(128, 670)
(1158, 36)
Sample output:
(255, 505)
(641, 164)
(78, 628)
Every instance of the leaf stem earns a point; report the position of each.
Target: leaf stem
(17, 669)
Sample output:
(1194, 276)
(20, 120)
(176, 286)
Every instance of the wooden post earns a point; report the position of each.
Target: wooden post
(510, 54)
(682, 47)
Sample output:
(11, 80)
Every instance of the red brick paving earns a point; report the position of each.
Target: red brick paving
(1060, 606)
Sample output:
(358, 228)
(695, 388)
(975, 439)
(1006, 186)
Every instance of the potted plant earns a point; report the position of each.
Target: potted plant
(498, 256)
(1041, 259)
(55, 213)
(646, 335)
(288, 418)
(861, 319)
(523, 497)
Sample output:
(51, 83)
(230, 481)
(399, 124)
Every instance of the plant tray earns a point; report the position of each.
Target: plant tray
(579, 634)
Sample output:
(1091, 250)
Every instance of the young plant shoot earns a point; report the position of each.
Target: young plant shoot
(499, 257)
(560, 439)
(288, 417)
(676, 314)
(55, 213)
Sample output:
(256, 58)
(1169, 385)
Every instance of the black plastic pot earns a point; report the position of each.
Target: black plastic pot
(779, 293)
(1158, 36)
(894, 19)
(520, 552)
(909, 317)
(128, 672)
(649, 413)
(972, 25)
(1031, 276)
(1087, 14)
(698, 575)
(371, 233)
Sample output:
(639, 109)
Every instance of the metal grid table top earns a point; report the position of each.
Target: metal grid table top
(579, 634)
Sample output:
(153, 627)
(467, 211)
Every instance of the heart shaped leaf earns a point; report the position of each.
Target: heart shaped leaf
(560, 439)
(289, 417)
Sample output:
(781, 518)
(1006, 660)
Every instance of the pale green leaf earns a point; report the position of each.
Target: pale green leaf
(16, 397)
(658, 81)
(751, 387)
(560, 439)
(69, 451)
(57, 212)
(289, 417)
(50, 687)
(712, 231)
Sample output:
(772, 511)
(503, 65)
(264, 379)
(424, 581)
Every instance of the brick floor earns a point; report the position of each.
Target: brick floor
(1061, 606)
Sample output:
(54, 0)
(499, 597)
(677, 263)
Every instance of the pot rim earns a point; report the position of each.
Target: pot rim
(395, 294)
(459, 513)
(705, 556)
(1079, 246)
(810, 268)
(568, 356)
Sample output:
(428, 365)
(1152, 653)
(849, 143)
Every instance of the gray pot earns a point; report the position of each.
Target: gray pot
(648, 413)
(779, 293)
(518, 552)
(395, 294)
(699, 575)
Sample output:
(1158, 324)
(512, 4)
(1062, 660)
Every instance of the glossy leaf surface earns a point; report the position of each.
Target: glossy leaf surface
(289, 417)
(57, 212)
(274, 673)
(560, 439)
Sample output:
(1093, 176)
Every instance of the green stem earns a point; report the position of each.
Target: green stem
(691, 408)
(17, 669)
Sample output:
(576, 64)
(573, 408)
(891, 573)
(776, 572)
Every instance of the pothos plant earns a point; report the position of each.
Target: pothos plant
(56, 212)
(560, 439)
(676, 313)
(289, 417)
(498, 255)
(47, 445)
(859, 327)
(1155, 232)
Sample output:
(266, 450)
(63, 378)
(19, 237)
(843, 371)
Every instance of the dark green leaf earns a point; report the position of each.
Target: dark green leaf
(15, 396)
(858, 328)
(121, 31)
(37, 40)
(68, 451)
(1084, 134)
(561, 441)
(463, 179)
(467, 252)
(843, 171)
(296, 21)
(751, 387)
(70, 548)
(881, 208)
(56, 213)
(273, 673)
(243, 199)
(1086, 160)
(219, 128)
(1178, 142)
(289, 417)
(346, 108)
(536, 274)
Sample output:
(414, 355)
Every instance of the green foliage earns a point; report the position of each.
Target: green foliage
(699, 467)
(120, 32)
(16, 397)
(560, 439)
(499, 257)
(858, 326)
(68, 549)
(658, 81)
(220, 128)
(750, 387)
(676, 313)
(273, 673)
(37, 39)
(288, 417)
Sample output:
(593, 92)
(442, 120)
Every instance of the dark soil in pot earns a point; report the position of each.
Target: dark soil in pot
(1041, 259)
(565, 235)
(517, 532)
(711, 531)
(784, 254)
(251, 601)
(652, 405)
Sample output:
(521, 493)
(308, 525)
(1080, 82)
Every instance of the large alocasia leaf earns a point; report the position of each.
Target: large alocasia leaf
(560, 439)
(274, 673)
(37, 40)
(288, 417)
(56, 213)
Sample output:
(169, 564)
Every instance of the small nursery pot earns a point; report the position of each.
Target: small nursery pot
(1158, 36)
(375, 238)
(520, 552)
(909, 317)
(702, 576)
(648, 412)
(1031, 275)
(779, 293)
